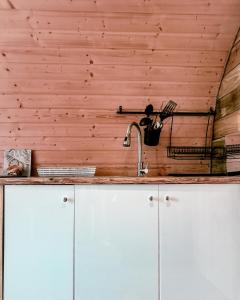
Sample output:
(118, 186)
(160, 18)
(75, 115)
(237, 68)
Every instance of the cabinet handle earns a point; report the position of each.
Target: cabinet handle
(150, 198)
(167, 198)
(65, 199)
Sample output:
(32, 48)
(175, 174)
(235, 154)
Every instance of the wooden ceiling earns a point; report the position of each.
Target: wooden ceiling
(65, 66)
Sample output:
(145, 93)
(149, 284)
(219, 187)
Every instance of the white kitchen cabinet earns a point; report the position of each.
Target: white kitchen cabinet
(113, 242)
(38, 243)
(199, 242)
(116, 242)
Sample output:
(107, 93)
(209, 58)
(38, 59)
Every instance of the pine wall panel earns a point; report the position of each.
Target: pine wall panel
(227, 122)
(66, 66)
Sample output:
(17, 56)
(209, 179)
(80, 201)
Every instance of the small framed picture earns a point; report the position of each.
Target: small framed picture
(17, 162)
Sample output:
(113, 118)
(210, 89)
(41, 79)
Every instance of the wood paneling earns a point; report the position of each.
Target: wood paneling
(6, 4)
(113, 22)
(227, 122)
(229, 103)
(108, 40)
(107, 102)
(228, 100)
(66, 66)
(219, 165)
(109, 72)
(132, 57)
(208, 7)
(105, 87)
(88, 144)
(73, 116)
(234, 58)
(95, 131)
(230, 82)
(233, 165)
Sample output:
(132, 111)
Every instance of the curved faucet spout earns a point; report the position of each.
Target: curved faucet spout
(127, 143)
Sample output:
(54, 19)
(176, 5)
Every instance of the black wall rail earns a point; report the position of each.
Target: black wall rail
(211, 111)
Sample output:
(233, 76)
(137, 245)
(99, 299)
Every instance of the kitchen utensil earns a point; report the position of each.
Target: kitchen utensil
(145, 121)
(156, 125)
(149, 109)
(168, 110)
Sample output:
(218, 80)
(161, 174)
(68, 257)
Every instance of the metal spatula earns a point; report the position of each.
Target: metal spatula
(168, 110)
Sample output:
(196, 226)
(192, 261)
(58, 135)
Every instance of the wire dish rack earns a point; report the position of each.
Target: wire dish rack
(202, 152)
(233, 151)
(184, 152)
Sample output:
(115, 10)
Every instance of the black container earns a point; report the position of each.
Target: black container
(152, 135)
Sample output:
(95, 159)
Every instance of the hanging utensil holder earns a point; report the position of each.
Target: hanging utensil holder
(152, 135)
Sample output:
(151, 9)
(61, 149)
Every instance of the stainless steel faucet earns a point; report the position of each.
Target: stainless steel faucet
(141, 171)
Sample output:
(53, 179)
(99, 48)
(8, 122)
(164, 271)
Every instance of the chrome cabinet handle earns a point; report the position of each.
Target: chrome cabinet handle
(65, 199)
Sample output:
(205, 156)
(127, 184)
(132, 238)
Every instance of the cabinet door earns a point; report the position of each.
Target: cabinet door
(116, 242)
(38, 243)
(200, 242)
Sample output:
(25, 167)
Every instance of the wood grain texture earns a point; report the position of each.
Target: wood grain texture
(90, 87)
(102, 102)
(229, 124)
(219, 165)
(88, 144)
(227, 121)
(230, 82)
(109, 72)
(228, 104)
(230, 7)
(233, 165)
(122, 180)
(132, 57)
(112, 158)
(76, 131)
(159, 41)
(78, 116)
(234, 58)
(232, 139)
(237, 38)
(130, 170)
(6, 5)
(66, 66)
(112, 22)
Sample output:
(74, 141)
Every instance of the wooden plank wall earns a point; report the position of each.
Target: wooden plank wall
(66, 66)
(227, 122)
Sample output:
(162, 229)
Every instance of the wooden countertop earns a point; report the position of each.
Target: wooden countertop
(120, 180)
